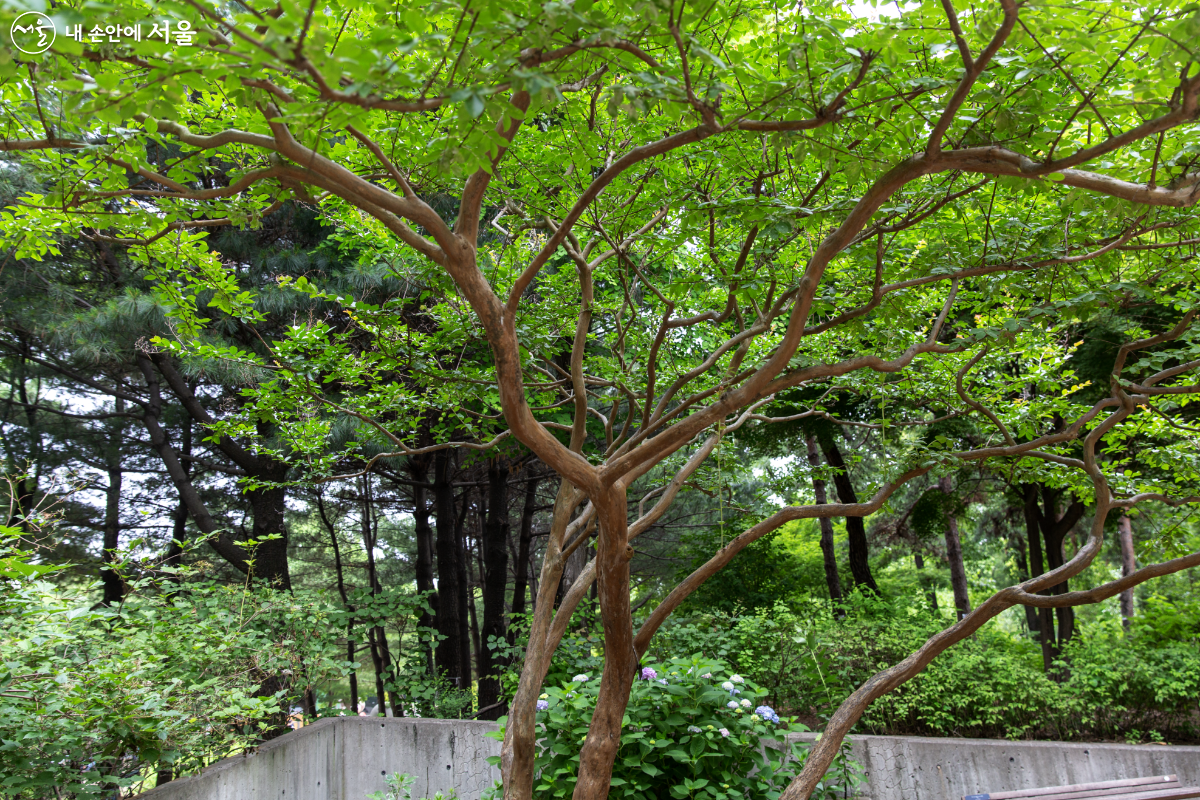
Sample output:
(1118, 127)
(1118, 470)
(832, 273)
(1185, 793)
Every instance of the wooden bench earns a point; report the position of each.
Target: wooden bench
(1163, 787)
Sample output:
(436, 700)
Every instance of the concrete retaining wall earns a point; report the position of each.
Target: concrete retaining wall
(345, 758)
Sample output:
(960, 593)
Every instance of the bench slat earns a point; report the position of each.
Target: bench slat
(1081, 791)
(1107, 793)
(1172, 792)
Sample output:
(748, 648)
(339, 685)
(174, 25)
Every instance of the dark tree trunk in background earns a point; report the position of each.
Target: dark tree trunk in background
(114, 586)
(495, 587)
(267, 504)
(174, 555)
(270, 554)
(521, 578)
(464, 589)
(1037, 566)
(1054, 531)
(376, 634)
(151, 416)
(351, 650)
(832, 580)
(1128, 567)
(958, 571)
(1019, 544)
(448, 654)
(423, 532)
(856, 533)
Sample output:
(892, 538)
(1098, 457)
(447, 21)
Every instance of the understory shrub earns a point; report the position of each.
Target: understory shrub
(93, 700)
(692, 729)
(1108, 684)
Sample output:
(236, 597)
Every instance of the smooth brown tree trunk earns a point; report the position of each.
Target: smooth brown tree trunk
(856, 534)
(495, 586)
(620, 659)
(1128, 566)
(958, 571)
(832, 581)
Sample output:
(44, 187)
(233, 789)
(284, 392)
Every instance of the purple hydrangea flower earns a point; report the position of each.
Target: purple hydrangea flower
(648, 673)
(542, 705)
(767, 713)
(725, 732)
(732, 704)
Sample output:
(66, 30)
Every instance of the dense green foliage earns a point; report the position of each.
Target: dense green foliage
(326, 286)
(1108, 685)
(693, 730)
(93, 699)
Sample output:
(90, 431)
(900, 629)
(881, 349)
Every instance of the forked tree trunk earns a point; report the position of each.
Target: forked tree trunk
(620, 660)
(856, 534)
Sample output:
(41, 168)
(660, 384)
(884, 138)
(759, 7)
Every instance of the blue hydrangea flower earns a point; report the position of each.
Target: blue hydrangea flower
(542, 705)
(732, 704)
(768, 714)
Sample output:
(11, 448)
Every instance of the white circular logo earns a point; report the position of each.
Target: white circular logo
(32, 32)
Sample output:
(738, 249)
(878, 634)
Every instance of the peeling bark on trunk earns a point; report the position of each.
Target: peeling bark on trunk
(620, 659)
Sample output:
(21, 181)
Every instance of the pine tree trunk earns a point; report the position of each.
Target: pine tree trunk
(465, 601)
(270, 555)
(856, 535)
(423, 532)
(114, 587)
(1128, 567)
(495, 586)
(448, 654)
(832, 580)
(521, 578)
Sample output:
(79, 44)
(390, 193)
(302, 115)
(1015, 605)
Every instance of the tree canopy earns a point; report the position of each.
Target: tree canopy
(620, 234)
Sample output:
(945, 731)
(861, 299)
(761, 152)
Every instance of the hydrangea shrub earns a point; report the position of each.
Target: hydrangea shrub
(691, 730)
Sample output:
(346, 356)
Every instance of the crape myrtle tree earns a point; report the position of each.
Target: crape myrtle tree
(700, 206)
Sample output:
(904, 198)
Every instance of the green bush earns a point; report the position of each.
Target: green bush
(1110, 684)
(692, 729)
(97, 699)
